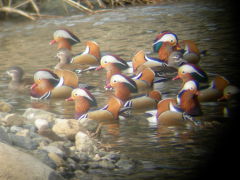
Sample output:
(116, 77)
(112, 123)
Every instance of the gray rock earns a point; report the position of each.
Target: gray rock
(43, 157)
(13, 119)
(33, 114)
(18, 165)
(89, 124)
(85, 144)
(23, 142)
(4, 136)
(54, 149)
(125, 164)
(106, 164)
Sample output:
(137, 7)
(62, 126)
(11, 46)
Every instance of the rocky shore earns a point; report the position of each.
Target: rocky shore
(39, 145)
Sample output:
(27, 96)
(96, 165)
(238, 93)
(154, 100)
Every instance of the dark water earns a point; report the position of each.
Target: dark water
(173, 153)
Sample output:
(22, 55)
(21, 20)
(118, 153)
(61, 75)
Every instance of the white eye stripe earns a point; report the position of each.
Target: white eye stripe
(64, 34)
(82, 92)
(43, 75)
(120, 78)
(189, 69)
(110, 59)
(190, 85)
(167, 38)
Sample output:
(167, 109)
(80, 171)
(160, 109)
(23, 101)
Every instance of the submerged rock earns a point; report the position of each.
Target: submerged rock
(5, 107)
(16, 164)
(33, 114)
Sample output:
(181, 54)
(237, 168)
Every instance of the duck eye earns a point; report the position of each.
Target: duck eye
(183, 72)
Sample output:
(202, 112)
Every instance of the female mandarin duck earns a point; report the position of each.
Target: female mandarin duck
(18, 82)
(65, 58)
(148, 101)
(123, 86)
(189, 49)
(64, 38)
(113, 65)
(57, 84)
(90, 56)
(84, 100)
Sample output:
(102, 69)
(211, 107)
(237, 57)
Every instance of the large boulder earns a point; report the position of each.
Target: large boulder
(16, 164)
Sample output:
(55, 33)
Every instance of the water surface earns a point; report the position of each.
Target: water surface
(172, 153)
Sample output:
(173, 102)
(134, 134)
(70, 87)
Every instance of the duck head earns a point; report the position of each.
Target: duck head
(16, 73)
(164, 36)
(190, 71)
(44, 81)
(83, 101)
(123, 86)
(64, 38)
(113, 65)
(230, 92)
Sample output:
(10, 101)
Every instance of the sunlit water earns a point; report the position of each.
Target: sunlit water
(171, 153)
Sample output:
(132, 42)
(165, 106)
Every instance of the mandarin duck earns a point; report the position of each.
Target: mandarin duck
(213, 93)
(146, 101)
(57, 84)
(18, 82)
(64, 39)
(189, 71)
(170, 113)
(189, 49)
(110, 112)
(113, 65)
(123, 86)
(65, 58)
(83, 99)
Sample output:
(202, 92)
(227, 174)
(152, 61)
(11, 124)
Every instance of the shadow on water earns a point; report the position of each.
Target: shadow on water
(172, 153)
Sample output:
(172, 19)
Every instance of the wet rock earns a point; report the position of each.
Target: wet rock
(56, 158)
(106, 164)
(114, 157)
(21, 166)
(23, 142)
(125, 164)
(85, 144)
(89, 124)
(5, 107)
(13, 120)
(41, 124)
(66, 127)
(55, 150)
(33, 114)
(4, 136)
(46, 132)
(43, 157)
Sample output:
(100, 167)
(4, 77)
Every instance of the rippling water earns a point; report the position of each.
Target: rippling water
(172, 153)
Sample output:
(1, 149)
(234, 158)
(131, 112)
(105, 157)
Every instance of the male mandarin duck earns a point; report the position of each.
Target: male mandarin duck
(64, 38)
(214, 92)
(18, 82)
(90, 56)
(57, 84)
(109, 113)
(189, 49)
(65, 58)
(169, 113)
(123, 86)
(83, 99)
(147, 101)
(113, 65)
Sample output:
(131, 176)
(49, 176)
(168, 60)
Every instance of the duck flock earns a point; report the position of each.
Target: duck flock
(134, 85)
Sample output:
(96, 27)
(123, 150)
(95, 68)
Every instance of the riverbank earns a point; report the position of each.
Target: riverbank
(71, 149)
